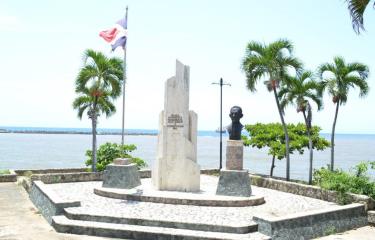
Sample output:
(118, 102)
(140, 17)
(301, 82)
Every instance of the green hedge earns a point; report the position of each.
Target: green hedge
(357, 181)
(3, 172)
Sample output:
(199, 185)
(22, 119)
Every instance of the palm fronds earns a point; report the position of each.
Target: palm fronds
(338, 77)
(357, 9)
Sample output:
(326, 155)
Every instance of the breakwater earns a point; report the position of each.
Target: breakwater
(75, 132)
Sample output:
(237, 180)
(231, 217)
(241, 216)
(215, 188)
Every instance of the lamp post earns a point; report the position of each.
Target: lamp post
(221, 83)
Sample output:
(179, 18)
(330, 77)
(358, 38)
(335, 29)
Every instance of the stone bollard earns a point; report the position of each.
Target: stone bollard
(121, 174)
(122, 161)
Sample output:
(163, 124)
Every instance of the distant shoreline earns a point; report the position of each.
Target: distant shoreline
(129, 132)
(87, 131)
(74, 132)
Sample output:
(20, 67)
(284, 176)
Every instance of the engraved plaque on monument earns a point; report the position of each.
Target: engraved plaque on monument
(176, 165)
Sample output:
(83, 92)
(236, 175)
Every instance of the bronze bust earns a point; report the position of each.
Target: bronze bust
(235, 128)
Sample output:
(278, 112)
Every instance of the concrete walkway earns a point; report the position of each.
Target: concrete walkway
(19, 219)
(363, 233)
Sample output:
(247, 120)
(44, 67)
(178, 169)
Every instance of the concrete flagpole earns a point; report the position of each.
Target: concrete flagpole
(123, 84)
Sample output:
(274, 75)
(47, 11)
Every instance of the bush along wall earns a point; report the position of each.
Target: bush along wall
(109, 151)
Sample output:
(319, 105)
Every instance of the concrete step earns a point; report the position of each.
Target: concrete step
(78, 214)
(65, 225)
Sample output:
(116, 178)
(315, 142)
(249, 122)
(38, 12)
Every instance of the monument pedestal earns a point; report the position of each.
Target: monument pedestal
(234, 181)
(176, 167)
(121, 175)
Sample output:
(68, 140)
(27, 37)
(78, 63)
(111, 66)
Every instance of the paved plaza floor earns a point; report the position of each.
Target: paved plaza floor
(277, 204)
(20, 220)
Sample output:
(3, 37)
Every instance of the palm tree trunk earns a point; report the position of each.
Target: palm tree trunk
(286, 136)
(272, 166)
(93, 122)
(333, 136)
(310, 147)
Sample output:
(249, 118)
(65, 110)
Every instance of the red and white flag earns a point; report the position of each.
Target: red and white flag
(117, 35)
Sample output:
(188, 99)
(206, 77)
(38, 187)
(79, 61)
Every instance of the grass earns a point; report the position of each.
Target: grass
(3, 172)
(330, 230)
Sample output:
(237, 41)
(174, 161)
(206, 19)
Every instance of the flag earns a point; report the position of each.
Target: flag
(117, 35)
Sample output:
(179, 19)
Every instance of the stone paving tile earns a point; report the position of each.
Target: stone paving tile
(277, 204)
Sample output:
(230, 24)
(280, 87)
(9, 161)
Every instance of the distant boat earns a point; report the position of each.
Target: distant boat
(218, 130)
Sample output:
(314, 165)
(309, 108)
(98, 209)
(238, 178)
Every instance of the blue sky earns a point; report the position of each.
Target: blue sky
(42, 44)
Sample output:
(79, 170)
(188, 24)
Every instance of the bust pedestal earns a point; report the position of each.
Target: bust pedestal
(234, 155)
(234, 181)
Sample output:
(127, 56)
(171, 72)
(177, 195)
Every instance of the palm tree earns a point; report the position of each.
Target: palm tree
(298, 91)
(357, 9)
(271, 62)
(98, 84)
(338, 77)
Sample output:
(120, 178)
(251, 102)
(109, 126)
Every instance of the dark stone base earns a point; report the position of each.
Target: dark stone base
(121, 176)
(313, 224)
(234, 183)
(48, 203)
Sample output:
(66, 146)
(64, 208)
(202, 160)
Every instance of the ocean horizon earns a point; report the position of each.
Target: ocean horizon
(134, 131)
(64, 148)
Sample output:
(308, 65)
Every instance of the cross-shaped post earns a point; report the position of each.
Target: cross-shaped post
(221, 83)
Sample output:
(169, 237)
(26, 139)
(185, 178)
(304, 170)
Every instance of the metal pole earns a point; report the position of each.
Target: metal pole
(123, 85)
(221, 123)
(221, 83)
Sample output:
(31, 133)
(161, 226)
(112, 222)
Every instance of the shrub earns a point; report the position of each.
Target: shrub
(28, 173)
(3, 172)
(355, 181)
(272, 137)
(107, 152)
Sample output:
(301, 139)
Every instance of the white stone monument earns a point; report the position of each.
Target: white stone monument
(176, 167)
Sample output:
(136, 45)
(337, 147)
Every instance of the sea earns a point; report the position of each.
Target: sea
(50, 148)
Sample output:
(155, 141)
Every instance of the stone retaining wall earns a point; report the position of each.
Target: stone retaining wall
(53, 170)
(146, 173)
(213, 171)
(309, 191)
(25, 182)
(67, 177)
(313, 224)
(371, 217)
(76, 177)
(11, 177)
(80, 174)
(48, 203)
